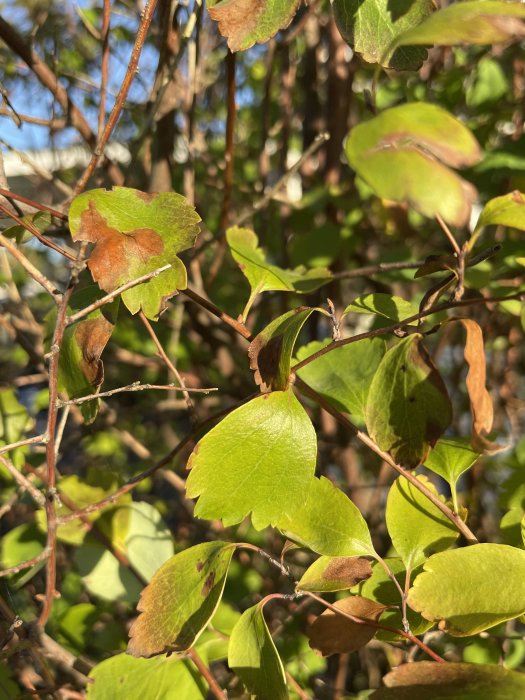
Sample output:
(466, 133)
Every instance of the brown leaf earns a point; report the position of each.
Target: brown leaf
(92, 336)
(332, 633)
(114, 250)
(353, 570)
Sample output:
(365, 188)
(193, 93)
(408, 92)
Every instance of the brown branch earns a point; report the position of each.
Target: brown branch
(31, 203)
(36, 233)
(31, 270)
(104, 68)
(237, 326)
(25, 564)
(147, 16)
(205, 672)
(26, 441)
(135, 386)
(24, 483)
(53, 124)
(374, 269)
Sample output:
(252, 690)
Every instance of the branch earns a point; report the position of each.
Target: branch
(36, 233)
(27, 441)
(31, 203)
(374, 269)
(31, 270)
(37, 496)
(135, 386)
(215, 688)
(25, 564)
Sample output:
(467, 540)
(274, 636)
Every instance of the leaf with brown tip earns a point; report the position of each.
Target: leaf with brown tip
(328, 574)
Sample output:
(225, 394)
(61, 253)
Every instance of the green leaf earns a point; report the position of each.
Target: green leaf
(508, 210)
(328, 574)
(490, 84)
(122, 677)
(408, 407)
(254, 658)
(451, 457)
(262, 275)
(103, 575)
(41, 221)
(415, 525)
(245, 23)
(14, 421)
(259, 459)
(180, 599)
(471, 589)
(328, 523)
(135, 233)
(386, 305)
(416, 142)
(343, 376)
(468, 22)
(20, 544)
(271, 350)
(369, 26)
(456, 681)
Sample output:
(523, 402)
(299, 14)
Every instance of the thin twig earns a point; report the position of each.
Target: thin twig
(238, 327)
(31, 270)
(374, 269)
(205, 672)
(25, 564)
(448, 233)
(31, 203)
(27, 441)
(114, 294)
(135, 386)
(36, 233)
(104, 67)
(147, 17)
(24, 483)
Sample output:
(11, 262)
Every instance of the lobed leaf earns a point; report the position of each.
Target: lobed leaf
(180, 599)
(459, 589)
(135, 233)
(259, 459)
(408, 407)
(254, 658)
(328, 574)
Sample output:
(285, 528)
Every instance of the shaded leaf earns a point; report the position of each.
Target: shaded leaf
(451, 457)
(135, 233)
(417, 141)
(369, 26)
(436, 263)
(387, 305)
(460, 589)
(343, 376)
(408, 407)
(458, 681)
(415, 525)
(262, 275)
(14, 421)
(41, 220)
(122, 676)
(271, 350)
(329, 574)
(328, 523)
(258, 460)
(245, 22)
(103, 575)
(180, 599)
(331, 633)
(468, 22)
(254, 658)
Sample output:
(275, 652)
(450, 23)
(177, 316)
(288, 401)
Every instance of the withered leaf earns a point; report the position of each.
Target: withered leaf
(328, 574)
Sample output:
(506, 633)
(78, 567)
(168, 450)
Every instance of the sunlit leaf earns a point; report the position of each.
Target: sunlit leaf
(387, 305)
(415, 525)
(254, 658)
(329, 574)
(258, 460)
(508, 210)
(343, 375)
(417, 142)
(451, 457)
(471, 589)
(408, 407)
(180, 599)
(135, 233)
(14, 421)
(369, 26)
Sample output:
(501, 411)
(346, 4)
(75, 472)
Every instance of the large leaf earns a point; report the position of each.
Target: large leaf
(329, 523)
(258, 460)
(245, 22)
(254, 658)
(408, 407)
(417, 142)
(369, 26)
(103, 575)
(456, 681)
(135, 233)
(271, 350)
(180, 599)
(387, 305)
(415, 525)
(262, 275)
(328, 574)
(343, 375)
(471, 589)
(122, 677)
(468, 22)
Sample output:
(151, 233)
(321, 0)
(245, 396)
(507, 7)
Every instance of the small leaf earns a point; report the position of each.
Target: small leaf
(259, 459)
(436, 263)
(254, 658)
(417, 141)
(271, 350)
(451, 457)
(408, 407)
(135, 233)
(370, 25)
(415, 525)
(41, 221)
(328, 574)
(386, 305)
(508, 210)
(262, 275)
(181, 599)
(245, 22)
(472, 22)
(471, 589)
(343, 376)
(14, 421)
(328, 523)
(331, 633)
(122, 676)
